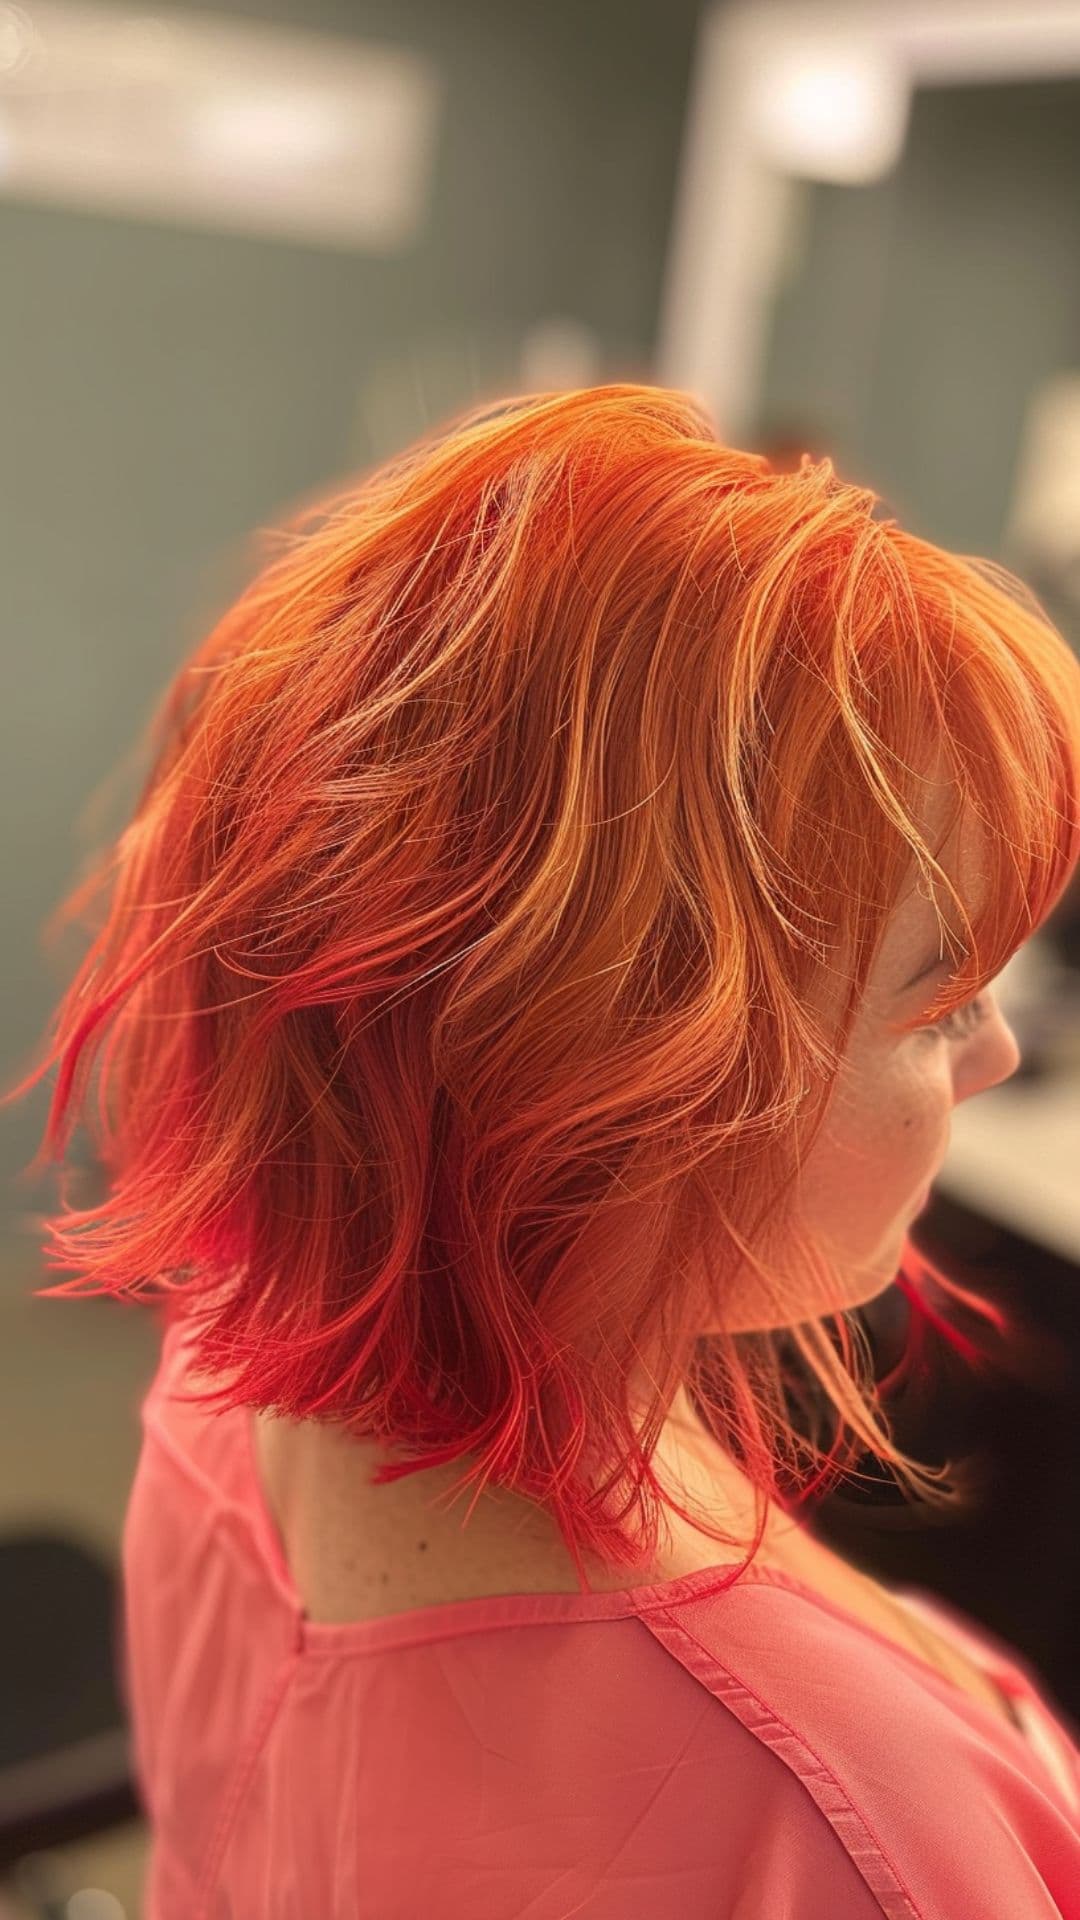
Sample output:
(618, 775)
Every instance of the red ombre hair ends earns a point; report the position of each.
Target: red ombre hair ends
(451, 979)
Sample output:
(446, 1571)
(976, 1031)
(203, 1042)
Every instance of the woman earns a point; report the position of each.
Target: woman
(557, 926)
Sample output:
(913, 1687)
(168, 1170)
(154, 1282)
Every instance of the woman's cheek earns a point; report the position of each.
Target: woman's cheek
(881, 1150)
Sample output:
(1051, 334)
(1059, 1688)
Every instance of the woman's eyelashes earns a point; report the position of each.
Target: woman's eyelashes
(961, 1021)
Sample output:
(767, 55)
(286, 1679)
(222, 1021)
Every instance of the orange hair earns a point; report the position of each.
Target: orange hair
(457, 957)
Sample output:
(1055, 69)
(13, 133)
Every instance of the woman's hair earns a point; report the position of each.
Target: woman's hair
(457, 963)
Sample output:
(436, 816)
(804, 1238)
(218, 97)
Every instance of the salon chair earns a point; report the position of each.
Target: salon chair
(66, 1767)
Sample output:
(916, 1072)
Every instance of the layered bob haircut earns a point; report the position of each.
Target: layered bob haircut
(456, 967)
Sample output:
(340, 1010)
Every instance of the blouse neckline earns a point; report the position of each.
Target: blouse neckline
(485, 1613)
(451, 1618)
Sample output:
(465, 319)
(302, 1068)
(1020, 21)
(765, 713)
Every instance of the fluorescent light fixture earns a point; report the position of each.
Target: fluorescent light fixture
(208, 121)
(834, 113)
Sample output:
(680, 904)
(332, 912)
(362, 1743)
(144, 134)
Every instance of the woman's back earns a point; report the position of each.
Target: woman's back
(613, 1756)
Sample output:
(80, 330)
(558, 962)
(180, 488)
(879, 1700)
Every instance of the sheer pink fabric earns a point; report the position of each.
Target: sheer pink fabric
(670, 1753)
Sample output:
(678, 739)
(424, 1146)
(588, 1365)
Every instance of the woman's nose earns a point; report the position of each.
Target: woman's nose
(994, 1058)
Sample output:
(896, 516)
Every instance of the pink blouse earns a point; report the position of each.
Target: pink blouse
(664, 1753)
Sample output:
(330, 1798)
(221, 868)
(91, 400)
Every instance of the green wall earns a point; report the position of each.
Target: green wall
(166, 390)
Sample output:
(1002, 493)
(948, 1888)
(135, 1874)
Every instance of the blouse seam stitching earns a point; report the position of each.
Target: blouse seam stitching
(679, 1626)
